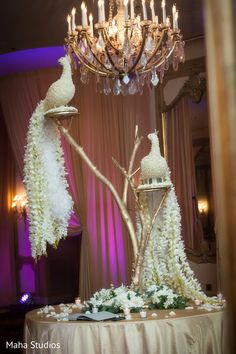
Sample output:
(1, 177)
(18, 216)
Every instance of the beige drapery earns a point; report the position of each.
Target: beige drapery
(180, 159)
(105, 128)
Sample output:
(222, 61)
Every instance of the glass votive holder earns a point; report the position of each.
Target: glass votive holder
(143, 314)
(94, 310)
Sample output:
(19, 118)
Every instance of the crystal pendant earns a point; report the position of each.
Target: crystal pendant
(132, 87)
(166, 66)
(117, 87)
(84, 75)
(107, 87)
(100, 45)
(154, 78)
(175, 63)
(124, 90)
(149, 44)
(143, 60)
(126, 79)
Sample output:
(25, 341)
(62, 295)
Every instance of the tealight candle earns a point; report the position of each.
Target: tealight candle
(77, 301)
(126, 311)
(197, 302)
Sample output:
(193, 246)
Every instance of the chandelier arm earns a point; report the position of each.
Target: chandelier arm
(157, 46)
(107, 40)
(145, 31)
(163, 58)
(108, 54)
(90, 67)
(95, 56)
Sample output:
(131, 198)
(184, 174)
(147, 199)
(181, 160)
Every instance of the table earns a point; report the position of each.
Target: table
(189, 332)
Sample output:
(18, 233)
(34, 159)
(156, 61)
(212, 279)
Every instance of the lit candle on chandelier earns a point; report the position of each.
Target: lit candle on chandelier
(163, 5)
(153, 11)
(91, 23)
(132, 9)
(144, 10)
(73, 19)
(84, 15)
(176, 20)
(69, 23)
(101, 11)
(173, 14)
(126, 10)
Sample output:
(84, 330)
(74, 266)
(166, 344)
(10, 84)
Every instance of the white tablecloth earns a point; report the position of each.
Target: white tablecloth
(189, 332)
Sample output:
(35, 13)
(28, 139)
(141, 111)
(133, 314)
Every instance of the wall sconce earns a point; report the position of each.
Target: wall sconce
(203, 206)
(19, 205)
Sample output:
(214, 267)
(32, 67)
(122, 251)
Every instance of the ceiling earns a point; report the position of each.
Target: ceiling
(27, 24)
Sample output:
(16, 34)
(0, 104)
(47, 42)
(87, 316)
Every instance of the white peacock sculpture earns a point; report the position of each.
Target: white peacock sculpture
(49, 202)
(153, 166)
(165, 261)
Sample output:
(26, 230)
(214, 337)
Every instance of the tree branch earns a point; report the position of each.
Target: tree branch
(137, 143)
(125, 215)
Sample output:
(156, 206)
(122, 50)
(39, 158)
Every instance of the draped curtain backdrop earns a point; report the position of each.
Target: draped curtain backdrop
(7, 229)
(181, 162)
(105, 129)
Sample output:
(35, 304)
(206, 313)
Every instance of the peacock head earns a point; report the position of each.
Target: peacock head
(153, 136)
(64, 60)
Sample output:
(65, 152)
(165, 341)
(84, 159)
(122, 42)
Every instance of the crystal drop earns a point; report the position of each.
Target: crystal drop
(100, 45)
(166, 67)
(124, 90)
(84, 76)
(154, 78)
(143, 60)
(149, 44)
(132, 87)
(117, 87)
(106, 87)
(126, 79)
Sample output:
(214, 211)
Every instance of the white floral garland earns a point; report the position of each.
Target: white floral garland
(49, 202)
(165, 259)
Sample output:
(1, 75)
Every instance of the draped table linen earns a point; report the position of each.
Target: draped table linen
(189, 332)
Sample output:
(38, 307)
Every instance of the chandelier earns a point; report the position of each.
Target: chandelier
(127, 50)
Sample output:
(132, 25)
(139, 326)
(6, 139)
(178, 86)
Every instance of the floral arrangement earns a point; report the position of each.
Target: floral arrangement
(49, 202)
(115, 300)
(165, 258)
(162, 297)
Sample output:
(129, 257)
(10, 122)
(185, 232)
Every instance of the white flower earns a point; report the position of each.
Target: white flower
(49, 202)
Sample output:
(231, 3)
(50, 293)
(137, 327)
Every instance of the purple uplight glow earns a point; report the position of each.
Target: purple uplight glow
(31, 59)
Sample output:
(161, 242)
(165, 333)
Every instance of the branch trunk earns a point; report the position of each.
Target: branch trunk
(102, 178)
